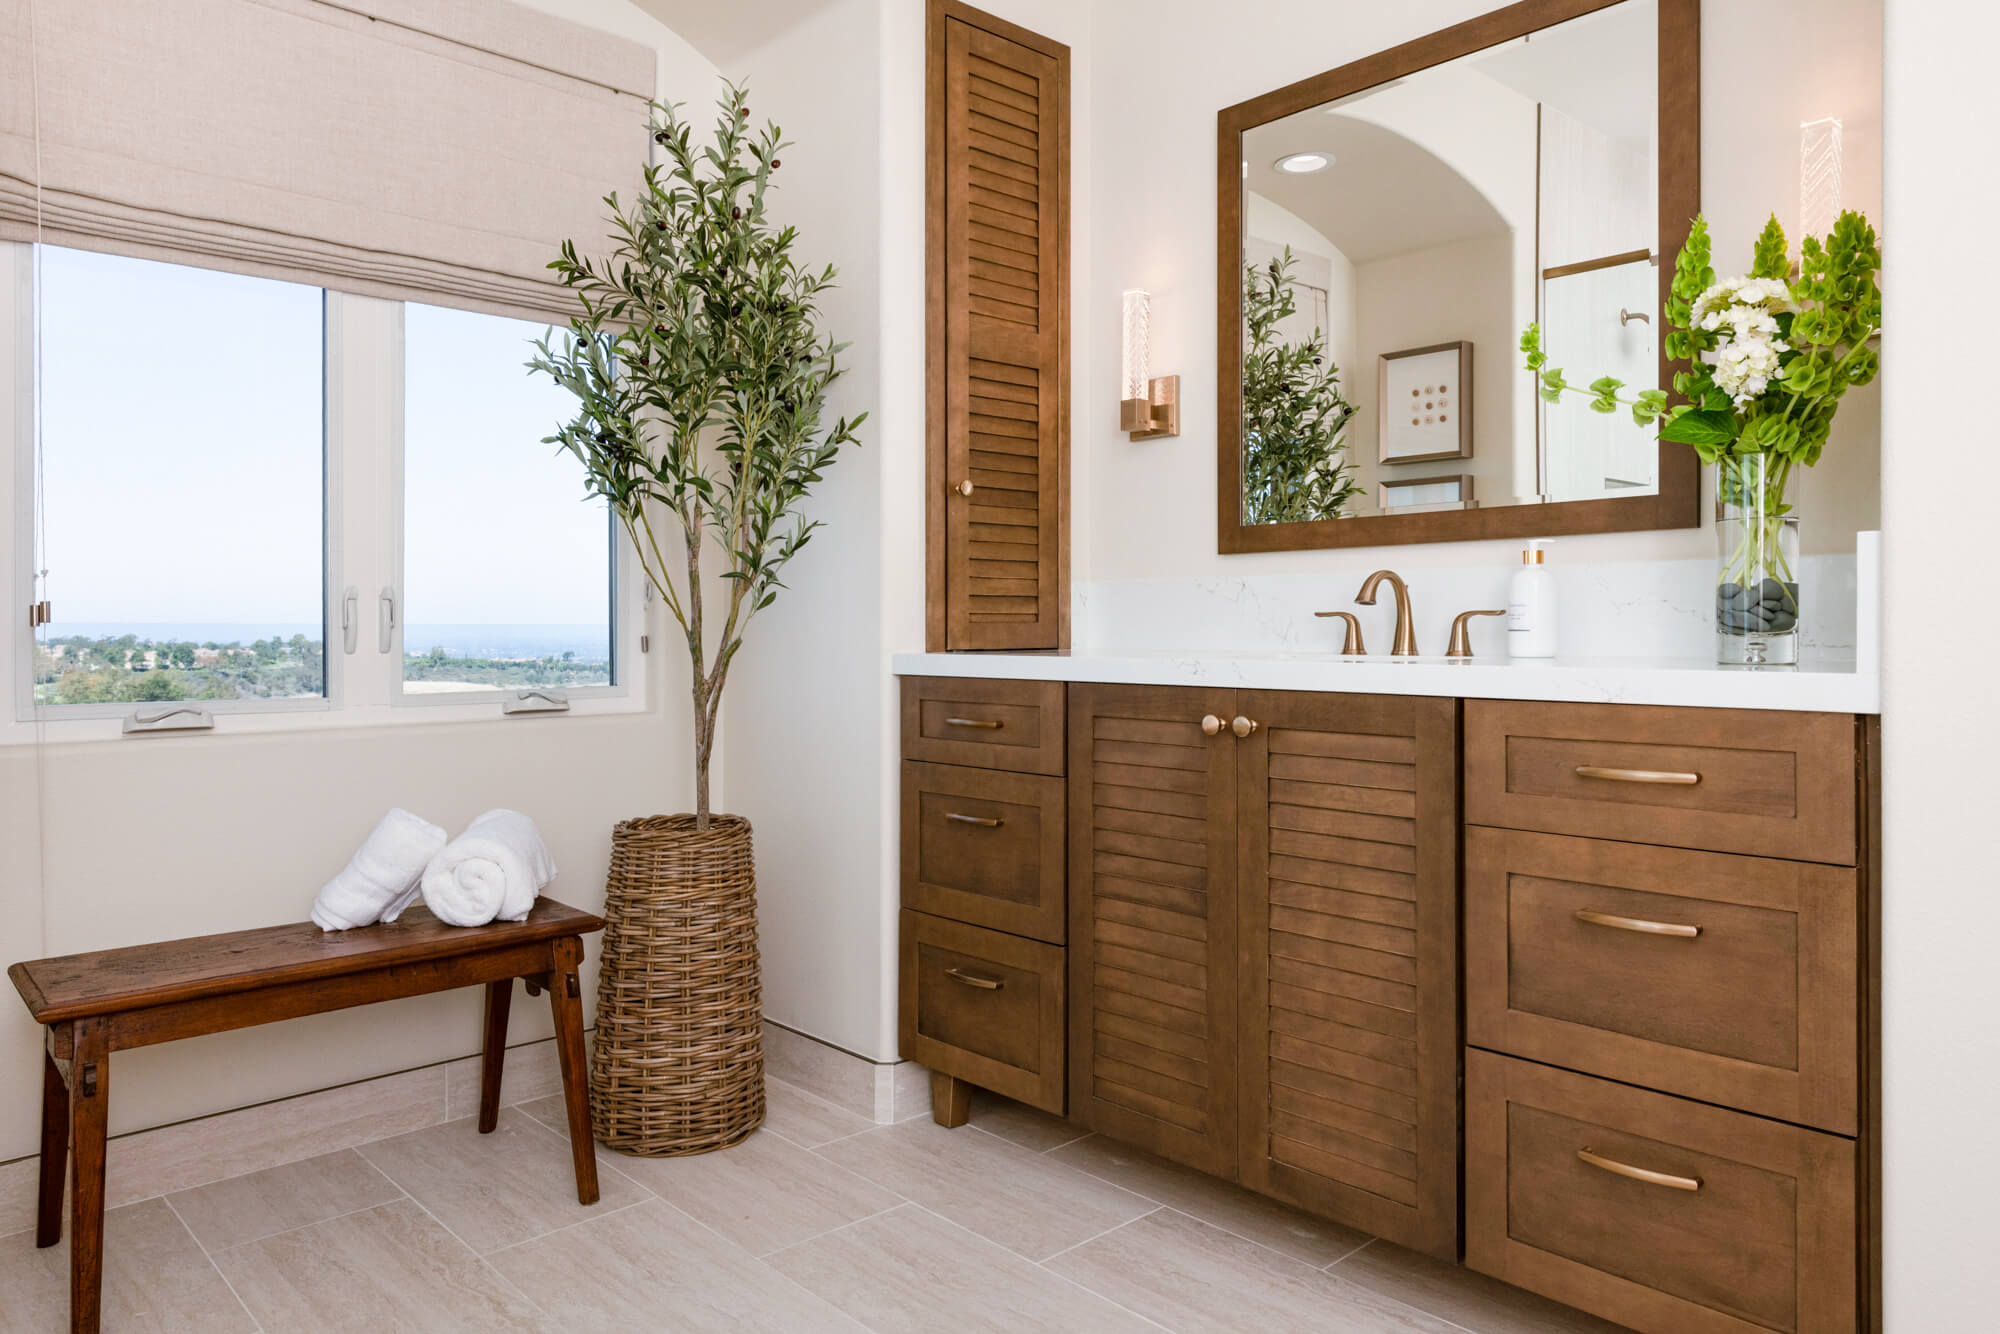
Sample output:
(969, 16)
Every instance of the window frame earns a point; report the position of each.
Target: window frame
(362, 530)
(25, 712)
(622, 572)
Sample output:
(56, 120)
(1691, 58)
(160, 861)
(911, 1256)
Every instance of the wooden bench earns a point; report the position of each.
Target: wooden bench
(98, 1003)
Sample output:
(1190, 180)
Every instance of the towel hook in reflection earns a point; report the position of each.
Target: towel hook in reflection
(1625, 316)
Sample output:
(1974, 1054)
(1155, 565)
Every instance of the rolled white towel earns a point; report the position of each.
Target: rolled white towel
(492, 871)
(383, 876)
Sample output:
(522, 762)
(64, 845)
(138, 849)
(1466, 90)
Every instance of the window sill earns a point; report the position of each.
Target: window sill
(317, 716)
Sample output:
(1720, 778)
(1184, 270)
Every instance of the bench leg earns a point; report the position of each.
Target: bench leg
(566, 1000)
(55, 1152)
(90, 1095)
(499, 996)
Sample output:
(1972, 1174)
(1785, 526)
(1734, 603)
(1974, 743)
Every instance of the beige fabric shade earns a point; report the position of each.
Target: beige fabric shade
(427, 150)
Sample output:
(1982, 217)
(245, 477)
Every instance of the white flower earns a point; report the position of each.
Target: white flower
(1745, 311)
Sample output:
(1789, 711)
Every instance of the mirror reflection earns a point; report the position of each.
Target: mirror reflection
(1397, 241)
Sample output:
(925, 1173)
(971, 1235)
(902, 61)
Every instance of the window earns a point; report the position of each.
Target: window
(288, 506)
(183, 476)
(507, 565)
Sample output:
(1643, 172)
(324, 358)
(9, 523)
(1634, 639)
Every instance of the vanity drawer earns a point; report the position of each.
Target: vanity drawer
(986, 847)
(984, 1006)
(1729, 979)
(1665, 1215)
(1014, 725)
(1762, 782)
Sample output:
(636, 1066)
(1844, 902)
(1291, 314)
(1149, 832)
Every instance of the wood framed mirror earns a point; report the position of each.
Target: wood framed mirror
(1388, 228)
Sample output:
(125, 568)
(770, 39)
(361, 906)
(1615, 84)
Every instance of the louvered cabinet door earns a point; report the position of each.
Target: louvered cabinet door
(1152, 942)
(1004, 126)
(1347, 814)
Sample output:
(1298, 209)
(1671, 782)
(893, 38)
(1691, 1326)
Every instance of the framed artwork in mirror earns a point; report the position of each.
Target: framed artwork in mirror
(1444, 491)
(1420, 397)
(1538, 164)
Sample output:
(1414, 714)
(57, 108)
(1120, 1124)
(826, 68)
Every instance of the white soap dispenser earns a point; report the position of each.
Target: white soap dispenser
(1531, 605)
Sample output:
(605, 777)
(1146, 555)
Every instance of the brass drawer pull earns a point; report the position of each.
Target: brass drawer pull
(980, 820)
(1595, 918)
(973, 980)
(1637, 775)
(1651, 1178)
(993, 724)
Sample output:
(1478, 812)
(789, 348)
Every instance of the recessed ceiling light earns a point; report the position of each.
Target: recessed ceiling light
(1298, 164)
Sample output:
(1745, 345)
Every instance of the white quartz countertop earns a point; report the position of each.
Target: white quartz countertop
(1824, 686)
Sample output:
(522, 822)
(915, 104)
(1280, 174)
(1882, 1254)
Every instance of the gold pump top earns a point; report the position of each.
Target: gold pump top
(1533, 556)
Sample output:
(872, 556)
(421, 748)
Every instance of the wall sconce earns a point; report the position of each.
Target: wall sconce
(1819, 175)
(1148, 408)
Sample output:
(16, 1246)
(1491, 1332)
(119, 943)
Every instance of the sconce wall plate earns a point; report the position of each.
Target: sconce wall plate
(1155, 416)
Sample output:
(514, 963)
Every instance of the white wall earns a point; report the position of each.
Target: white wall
(151, 838)
(1267, 230)
(1461, 290)
(1941, 729)
(1149, 509)
(807, 704)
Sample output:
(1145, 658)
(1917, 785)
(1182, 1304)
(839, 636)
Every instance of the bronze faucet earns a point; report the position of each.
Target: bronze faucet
(1351, 645)
(1461, 641)
(1406, 633)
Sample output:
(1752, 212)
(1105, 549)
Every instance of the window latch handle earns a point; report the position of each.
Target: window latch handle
(170, 718)
(350, 618)
(535, 700)
(387, 619)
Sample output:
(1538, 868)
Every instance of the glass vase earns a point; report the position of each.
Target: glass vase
(1757, 563)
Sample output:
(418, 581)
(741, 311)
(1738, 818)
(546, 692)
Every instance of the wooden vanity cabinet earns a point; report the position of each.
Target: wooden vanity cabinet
(983, 971)
(1671, 1084)
(1347, 932)
(1263, 944)
(1225, 926)
(1152, 1030)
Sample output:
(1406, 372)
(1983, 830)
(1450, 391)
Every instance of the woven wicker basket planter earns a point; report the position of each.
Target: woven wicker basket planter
(678, 1060)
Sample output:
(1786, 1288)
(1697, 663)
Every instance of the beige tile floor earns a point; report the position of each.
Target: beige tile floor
(820, 1221)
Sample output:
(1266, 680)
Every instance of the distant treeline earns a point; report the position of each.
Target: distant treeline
(82, 669)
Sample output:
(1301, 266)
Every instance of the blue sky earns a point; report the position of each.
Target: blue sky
(181, 415)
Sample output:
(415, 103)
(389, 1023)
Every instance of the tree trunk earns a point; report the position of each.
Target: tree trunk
(704, 745)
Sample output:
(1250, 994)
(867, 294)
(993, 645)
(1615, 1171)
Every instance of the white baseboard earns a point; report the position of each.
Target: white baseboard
(884, 1092)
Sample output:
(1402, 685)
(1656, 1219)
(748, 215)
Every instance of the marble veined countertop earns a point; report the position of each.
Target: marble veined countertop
(1826, 685)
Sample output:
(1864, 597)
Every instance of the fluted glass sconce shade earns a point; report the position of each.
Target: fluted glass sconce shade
(1138, 312)
(1148, 408)
(1819, 175)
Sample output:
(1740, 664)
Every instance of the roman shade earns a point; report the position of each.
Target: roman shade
(430, 150)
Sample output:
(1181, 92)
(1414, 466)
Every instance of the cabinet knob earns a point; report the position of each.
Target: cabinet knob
(1211, 724)
(964, 488)
(1243, 726)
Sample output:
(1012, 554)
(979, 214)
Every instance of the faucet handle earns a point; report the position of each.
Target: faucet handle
(1351, 646)
(1461, 641)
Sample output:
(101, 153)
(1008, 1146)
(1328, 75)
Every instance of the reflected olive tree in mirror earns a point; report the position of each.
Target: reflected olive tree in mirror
(1295, 464)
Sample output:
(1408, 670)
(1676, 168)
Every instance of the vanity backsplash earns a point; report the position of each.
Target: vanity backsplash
(1626, 609)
